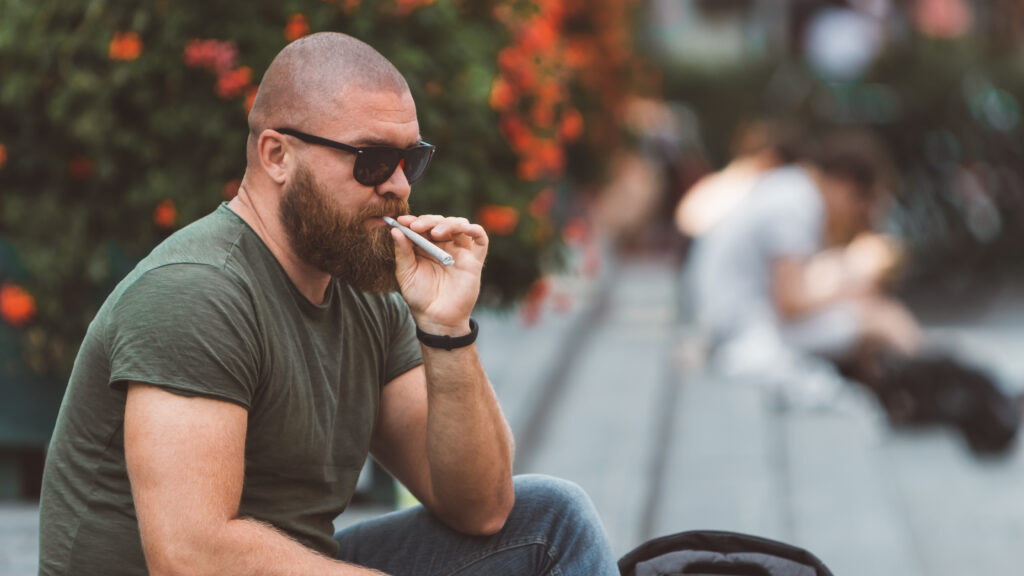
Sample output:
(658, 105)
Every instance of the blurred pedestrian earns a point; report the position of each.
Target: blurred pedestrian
(792, 262)
(229, 390)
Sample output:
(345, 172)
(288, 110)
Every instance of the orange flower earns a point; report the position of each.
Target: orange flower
(550, 157)
(539, 36)
(250, 98)
(502, 95)
(571, 126)
(297, 27)
(543, 116)
(498, 220)
(231, 84)
(165, 215)
(349, 6)
(528, 170)
(3, 155)
(125, 46)
(80, 168)
(517, 134)
(17, 306)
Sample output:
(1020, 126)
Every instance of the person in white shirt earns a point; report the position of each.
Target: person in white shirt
(794, 258)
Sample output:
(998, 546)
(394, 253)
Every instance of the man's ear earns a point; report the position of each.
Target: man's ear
(275, 155)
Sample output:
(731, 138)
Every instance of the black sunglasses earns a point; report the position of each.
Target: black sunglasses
(375, 164)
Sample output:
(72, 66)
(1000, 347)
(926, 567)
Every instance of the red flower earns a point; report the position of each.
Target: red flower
(528, 170)
(539, 36)
(571, 126)
(125, 46)
(232, 84)
(80, 168)
(550, 157)
(498, 220)
(165, 215)
(250, 98)
(217, 56)
(3, 155)
(502, 95)
(17, 306)
(296, 28)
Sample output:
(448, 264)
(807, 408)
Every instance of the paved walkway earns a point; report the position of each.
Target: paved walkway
(662, 447)
(596, 393)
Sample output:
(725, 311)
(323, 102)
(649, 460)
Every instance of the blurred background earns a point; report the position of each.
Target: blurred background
(571, 130)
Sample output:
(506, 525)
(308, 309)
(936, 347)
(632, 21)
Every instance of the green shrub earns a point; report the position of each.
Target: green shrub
(122, 121)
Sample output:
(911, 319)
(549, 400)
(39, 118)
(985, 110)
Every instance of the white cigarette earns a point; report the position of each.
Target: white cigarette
(428, 247)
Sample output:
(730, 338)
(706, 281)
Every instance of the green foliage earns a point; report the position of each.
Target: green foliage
(96, 142)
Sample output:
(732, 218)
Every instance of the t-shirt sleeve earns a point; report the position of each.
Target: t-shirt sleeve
(189, 329)
(796, 222)
(404, 352)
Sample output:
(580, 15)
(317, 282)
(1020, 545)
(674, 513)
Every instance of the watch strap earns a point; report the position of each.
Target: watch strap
(449, 342)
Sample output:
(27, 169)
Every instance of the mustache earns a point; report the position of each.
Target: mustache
(389, 207)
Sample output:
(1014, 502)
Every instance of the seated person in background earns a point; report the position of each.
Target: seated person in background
(791, 260)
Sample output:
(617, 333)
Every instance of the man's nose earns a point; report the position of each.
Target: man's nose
(397, 184)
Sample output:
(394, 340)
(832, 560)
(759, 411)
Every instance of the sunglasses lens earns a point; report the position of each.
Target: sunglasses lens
(416, 161)
(375, 165)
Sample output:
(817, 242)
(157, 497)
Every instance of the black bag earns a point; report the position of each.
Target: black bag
(713, 552)
(938, 389)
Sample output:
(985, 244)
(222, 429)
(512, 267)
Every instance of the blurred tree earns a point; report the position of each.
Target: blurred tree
(121, 122)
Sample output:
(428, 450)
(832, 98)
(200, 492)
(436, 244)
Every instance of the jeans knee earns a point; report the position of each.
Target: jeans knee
(560, 514)
(538, 495)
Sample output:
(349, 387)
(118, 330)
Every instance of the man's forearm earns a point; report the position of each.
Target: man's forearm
(469, 445)
(245, 547)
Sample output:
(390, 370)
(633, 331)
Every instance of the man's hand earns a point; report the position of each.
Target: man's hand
(441, 298)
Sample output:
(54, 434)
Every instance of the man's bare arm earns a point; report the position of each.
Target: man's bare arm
(441, 431)
(456, 457)
(186, 462)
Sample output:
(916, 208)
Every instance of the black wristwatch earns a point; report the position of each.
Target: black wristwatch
(449, 342)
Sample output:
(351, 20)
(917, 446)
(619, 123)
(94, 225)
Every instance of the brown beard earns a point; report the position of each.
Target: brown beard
(327, 239)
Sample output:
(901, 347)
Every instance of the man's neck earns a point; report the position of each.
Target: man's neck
(260, 212)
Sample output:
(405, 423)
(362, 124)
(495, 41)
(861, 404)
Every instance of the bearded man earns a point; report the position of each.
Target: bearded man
(231, 387)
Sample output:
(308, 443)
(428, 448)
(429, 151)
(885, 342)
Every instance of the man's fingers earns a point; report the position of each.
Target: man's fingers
(404, 255)
(445, 229)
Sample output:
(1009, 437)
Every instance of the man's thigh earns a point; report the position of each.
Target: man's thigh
(553, 529)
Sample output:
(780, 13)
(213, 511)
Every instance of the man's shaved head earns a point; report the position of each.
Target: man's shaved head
(306, 83)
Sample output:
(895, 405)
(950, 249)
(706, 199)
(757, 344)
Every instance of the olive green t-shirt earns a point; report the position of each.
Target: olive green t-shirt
(211, 313)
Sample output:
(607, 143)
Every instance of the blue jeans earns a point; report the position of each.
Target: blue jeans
(553, 529)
